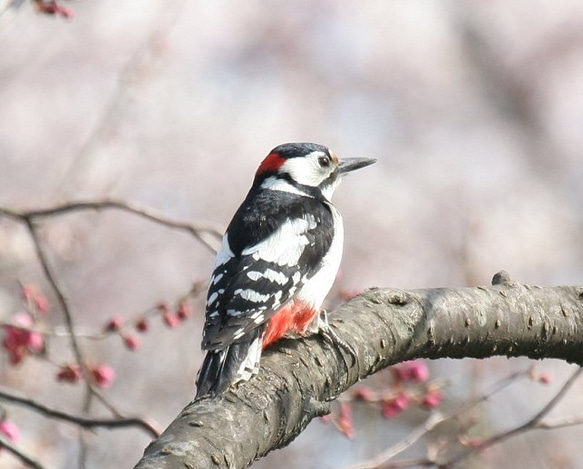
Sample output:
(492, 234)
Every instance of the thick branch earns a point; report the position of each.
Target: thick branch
(299, 377)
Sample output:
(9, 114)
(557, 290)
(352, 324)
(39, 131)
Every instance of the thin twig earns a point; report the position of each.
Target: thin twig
(209, 235)
(24, 458)
(434, 419)
(85, 422)
(63, 303)
(533, 423)
(198, 231)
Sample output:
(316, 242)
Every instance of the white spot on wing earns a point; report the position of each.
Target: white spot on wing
(269, 274)
(254, 275)
(252, 295)
(217, 278)
(296, 278)
(259, 319)
(277, 247)
(212, 298)
(225, 253)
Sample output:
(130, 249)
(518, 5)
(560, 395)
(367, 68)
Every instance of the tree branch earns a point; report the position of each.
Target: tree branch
(23, 457)
(208, 235)
(298, 378)
(82, 421)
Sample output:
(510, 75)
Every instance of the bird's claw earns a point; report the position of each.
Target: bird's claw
(331, 338)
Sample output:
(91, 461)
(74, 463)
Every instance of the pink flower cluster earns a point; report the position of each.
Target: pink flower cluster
(171, 319)
(101, 374)
(410, 386)
(19, 341)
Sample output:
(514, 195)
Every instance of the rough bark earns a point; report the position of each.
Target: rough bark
(298, 378)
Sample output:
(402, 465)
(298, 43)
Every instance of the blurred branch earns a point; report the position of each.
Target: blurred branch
(433, 421)
(84, 422)
(298, 378)
(532, 424)
(208, 235)
(24, 458)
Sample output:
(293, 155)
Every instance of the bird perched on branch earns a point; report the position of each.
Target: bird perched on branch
(278, 260)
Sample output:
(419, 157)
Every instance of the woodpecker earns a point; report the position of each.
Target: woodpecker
(277, 262)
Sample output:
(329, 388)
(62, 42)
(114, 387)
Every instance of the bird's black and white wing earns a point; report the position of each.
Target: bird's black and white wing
(262, 263)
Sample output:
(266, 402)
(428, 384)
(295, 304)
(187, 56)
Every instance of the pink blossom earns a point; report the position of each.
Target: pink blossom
(184, 310)
(103, 375)
(345, 422)
(33, 296)
(10, 430)
(411, 371)
(545, 378)
(18, 342)
(433, 398)
(363, 393)
(51, 7)
(114, 324)
(142, 325)
(69, 374)
(132, 341)
(171, 320)
(393, 407)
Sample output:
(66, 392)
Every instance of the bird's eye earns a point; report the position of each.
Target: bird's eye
(324, 161)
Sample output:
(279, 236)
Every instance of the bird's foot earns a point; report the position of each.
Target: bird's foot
(331, 338)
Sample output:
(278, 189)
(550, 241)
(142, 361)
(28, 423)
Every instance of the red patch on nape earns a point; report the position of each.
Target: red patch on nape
(296, 317)
(271, 163)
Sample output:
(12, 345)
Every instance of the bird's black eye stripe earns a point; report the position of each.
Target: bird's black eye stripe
(324, 161)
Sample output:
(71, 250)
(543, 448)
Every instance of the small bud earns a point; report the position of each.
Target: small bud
(184, 310)
(132, 342)
(103, 375)
(142, 325)
(393, 407)
(171, 319)
(411, 371)
(69, 374)
(545, 378)
(19, 342)
(41, 303)
(433, 398)
(345, 421)
(114, 324)
(10, 430)
(363, 393)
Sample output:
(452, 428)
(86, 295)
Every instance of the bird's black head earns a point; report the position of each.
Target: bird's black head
(308, 166)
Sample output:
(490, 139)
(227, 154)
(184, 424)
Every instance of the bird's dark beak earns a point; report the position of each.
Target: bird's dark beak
(347, 165)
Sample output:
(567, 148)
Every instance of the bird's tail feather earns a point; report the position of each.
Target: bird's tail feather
(222, 368)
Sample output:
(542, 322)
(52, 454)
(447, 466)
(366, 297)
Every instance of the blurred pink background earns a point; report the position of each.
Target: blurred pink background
(474, 111)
